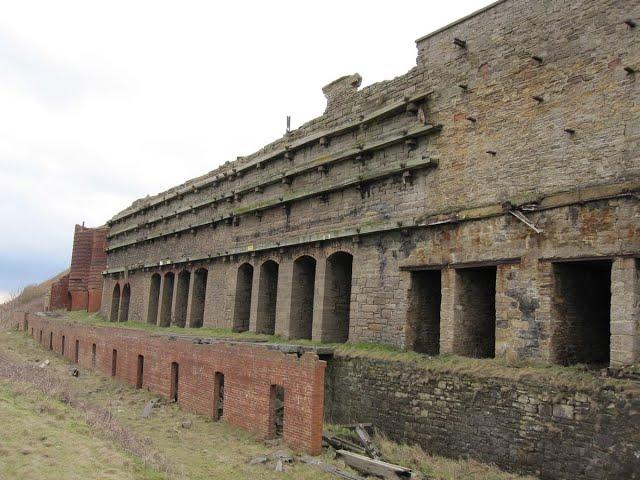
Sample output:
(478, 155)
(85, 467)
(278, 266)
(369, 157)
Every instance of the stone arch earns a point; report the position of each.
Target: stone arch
(115, 303)
(182, 298)
(244, 286)
(125, 299)
(336, 304)
(198, 295)
(302, 297)
(267, 297)
(154, 298)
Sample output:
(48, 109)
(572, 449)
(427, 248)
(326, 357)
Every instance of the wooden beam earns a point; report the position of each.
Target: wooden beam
(371, 466)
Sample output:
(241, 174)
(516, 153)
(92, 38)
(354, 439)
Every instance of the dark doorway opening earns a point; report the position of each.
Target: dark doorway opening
(50, 340)
(267, 297)
(198, 297)
(581, 308)
(62, 346)
(140, 371)
(475, 312)
(337, 298)
(40, 338)
(302, 297)
(423, 315)
(277, 410)
(182, 298)
(244, 286)
(76, 354)
(173, 395)
(93, 355)
(218, 396)
(124, 303)
(167, 299)
(154, 299)
(114, 362)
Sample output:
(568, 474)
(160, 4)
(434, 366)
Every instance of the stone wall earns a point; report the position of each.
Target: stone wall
(510, 146)
(250, 374)
(554, 431)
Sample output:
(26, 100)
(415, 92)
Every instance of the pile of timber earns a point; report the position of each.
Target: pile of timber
(365, 458)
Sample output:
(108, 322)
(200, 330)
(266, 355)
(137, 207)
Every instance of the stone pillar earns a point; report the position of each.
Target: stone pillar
(509, 297)
(317, 331)
(625, 312)
(283, 304)
(447, 310)
(255, 299)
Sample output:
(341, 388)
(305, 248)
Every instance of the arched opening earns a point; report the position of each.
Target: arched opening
(267, 295)
(337, 298)
(243, 298)
(140, 371)
(115, 303)
(197, 298)
(182, 298)
(93, 355)
(50, 340)
(26, 324)
(69, 301)
(218, 396)
(167, 298)
(124, 303)
(173, 394)
(302, 293)
(62, 346)
(76, 354)
(154, 299)
(40, 337)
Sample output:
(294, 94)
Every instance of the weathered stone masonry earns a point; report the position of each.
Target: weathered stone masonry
(505, 164)
(234, 383)
(555, 431)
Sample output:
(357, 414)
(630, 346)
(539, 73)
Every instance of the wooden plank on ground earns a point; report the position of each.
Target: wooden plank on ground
(368, 444)
(371, 466)
(325, 467)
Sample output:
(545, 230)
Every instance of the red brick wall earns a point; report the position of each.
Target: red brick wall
(88, 260)
(249, 373)
(97, 266)
(58, 297)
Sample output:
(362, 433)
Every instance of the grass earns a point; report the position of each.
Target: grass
(59, 426)
(578, 377)
(42, 438)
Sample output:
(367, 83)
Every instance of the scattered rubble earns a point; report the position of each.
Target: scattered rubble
(45, 363)
(151, 404)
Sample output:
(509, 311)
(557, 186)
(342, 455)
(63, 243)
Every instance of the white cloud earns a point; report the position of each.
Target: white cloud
(105, 102)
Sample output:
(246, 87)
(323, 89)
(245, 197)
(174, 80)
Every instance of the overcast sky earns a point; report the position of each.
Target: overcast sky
(105, 102)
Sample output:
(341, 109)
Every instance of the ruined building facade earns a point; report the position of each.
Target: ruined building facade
(485, 203)
(81, 288)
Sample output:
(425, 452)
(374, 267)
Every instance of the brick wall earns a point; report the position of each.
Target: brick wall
(250, 372)
(58, 298)
(88, 261)
(525, 426)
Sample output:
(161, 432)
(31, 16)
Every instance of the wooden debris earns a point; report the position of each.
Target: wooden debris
(368, 444)
(374, 467)
(325, 467)
(341, 444)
